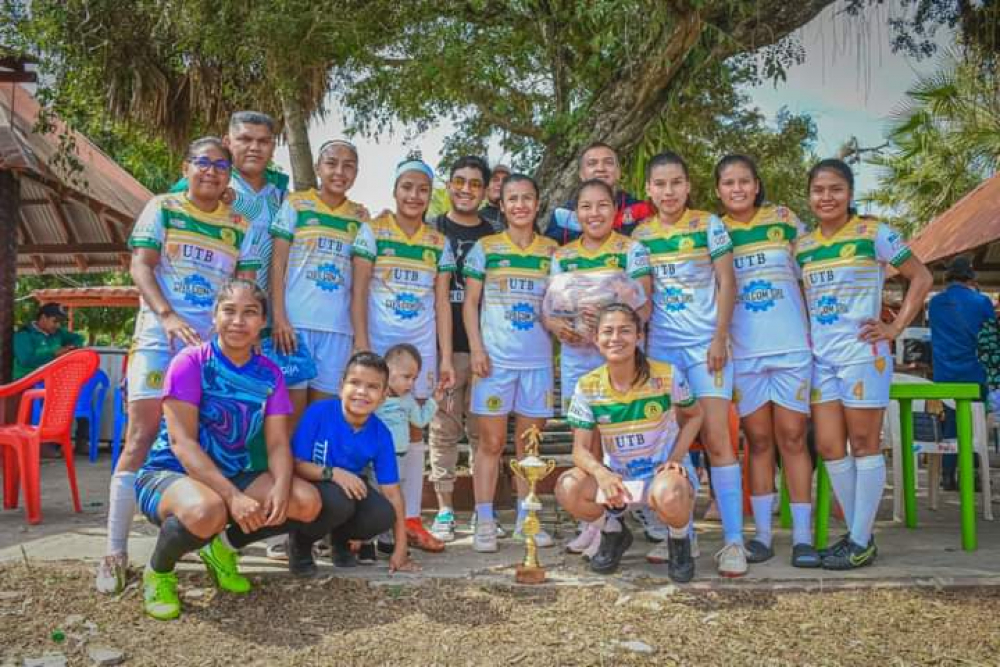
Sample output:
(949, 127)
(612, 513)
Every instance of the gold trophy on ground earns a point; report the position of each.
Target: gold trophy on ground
(531, 469)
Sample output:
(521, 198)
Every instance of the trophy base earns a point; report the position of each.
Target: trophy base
(524, 574)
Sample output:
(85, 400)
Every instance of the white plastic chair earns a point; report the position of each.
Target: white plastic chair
(891, 439)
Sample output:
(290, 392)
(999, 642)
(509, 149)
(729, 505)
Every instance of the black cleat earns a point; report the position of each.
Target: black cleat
(343, 556)
(851, 557)
(609, 553)
(300, 557)
(681, 566)
(758, 552)
(836, 547)
(805, 556)
(385, 547)
(366, 554)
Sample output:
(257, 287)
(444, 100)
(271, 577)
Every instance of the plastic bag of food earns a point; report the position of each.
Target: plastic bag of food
(570, 295)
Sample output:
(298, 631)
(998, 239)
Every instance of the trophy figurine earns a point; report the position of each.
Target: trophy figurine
(531, 469)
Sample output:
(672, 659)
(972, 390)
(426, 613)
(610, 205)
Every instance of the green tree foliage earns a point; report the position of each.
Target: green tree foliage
(101, 326)
(711, 120)
(944, 140)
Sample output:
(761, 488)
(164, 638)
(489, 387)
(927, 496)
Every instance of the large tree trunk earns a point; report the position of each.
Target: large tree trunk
(622, 113)
(10, 205)
(297, 136)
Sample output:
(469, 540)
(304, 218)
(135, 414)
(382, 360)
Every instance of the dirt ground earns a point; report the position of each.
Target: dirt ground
(333, 621)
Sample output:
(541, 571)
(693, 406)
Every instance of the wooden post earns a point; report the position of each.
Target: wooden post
(10, 205)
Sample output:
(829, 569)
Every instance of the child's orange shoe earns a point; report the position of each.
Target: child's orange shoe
(418, 537)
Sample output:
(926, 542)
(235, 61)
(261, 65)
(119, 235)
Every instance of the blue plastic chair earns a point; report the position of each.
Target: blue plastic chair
(121, 420)
(90, 405)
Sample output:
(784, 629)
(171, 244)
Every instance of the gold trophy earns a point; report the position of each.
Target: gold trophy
(531, 469)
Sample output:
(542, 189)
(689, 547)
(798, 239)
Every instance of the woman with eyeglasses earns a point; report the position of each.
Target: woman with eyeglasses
(311, 273)
(185, 246)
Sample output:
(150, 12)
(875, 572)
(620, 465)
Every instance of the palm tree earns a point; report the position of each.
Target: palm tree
(944, 140)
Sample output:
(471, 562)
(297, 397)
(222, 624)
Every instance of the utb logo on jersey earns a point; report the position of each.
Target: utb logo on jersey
(611, 262)
(228, 235)
(848, 250)
(687, 243)
(352, 228)
(544, 265)
(775, 233)
(429, 256)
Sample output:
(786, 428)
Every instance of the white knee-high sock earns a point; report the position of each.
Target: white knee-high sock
(801, 523)
(121, 507)
(763, 508)
(867, 495)
(412, 478)
(843, 478)
(728, 486)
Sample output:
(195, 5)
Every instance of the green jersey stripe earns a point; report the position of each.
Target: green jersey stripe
(617, 261)
(855, 248)
(305, 218)
(773, 232)
(529, 262)
(634, 410)
(181, 221)
(390, 248)
(676, 243)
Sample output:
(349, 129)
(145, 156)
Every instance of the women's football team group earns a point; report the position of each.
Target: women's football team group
(290, 348)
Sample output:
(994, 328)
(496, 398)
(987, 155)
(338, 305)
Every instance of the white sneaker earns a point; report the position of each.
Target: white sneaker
(443, 527)
(588, 534)
(731, 560)
(485, 539)
(659, 554)
(501, 533)
(542, 539)
(653, 528)
(112, 571)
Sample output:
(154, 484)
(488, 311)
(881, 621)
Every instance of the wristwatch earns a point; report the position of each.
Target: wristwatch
(327, 474)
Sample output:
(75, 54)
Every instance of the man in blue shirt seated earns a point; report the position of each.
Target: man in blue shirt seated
(956, 315)
(335, 442)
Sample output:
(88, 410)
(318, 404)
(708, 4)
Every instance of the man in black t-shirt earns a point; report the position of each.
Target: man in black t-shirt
(490, 212)
(463, 226)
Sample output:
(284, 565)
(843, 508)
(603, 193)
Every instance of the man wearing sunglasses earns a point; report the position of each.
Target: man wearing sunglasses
(463, 226)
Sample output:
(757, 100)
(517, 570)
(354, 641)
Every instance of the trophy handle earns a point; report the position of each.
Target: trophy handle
(515, 467)
(550, 465)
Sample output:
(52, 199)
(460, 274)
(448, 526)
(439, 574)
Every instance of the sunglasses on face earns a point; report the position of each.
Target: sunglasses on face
(474, 183)
(203, 163)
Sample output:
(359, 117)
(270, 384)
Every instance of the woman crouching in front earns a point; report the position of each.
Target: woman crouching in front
(646, 418)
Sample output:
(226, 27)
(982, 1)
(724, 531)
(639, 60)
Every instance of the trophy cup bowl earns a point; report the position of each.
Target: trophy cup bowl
(531, 469)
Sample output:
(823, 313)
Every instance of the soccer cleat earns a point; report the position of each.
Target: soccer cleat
(222, 564)
(501, 533)
(485, 538)
(159, 595)
(681, 566)
(851, 557)
(659, 554)
(588, 535)
(836, 547)
(366, 554)
(805, 556)
(111, 573)
(731, 561)
(443, 527)
(385, 546)
(652, 527)
(300, 556)
(612, 547)
(418, 537)
(758, 552)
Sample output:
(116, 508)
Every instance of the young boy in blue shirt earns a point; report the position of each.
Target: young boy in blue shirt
(334, 442)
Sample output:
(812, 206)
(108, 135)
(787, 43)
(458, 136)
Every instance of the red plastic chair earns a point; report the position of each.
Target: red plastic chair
(20, 443)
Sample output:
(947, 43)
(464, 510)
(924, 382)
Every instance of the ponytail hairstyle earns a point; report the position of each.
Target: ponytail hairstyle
(840, 168)
(748, 162)
(665, 159)
(642, 369)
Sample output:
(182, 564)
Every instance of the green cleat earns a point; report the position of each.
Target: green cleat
(159, 595)
(221, 562)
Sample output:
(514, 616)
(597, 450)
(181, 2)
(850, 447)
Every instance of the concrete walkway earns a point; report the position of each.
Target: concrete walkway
(928, 556)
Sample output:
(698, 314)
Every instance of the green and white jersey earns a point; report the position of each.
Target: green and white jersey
(685, 311)
(514, 281)
(770, 314)
(843, 276)
(637, 428)
(401, 296)
(199, 252)
(318, 280)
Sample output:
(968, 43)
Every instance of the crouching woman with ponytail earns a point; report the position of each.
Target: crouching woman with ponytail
(646, 418)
